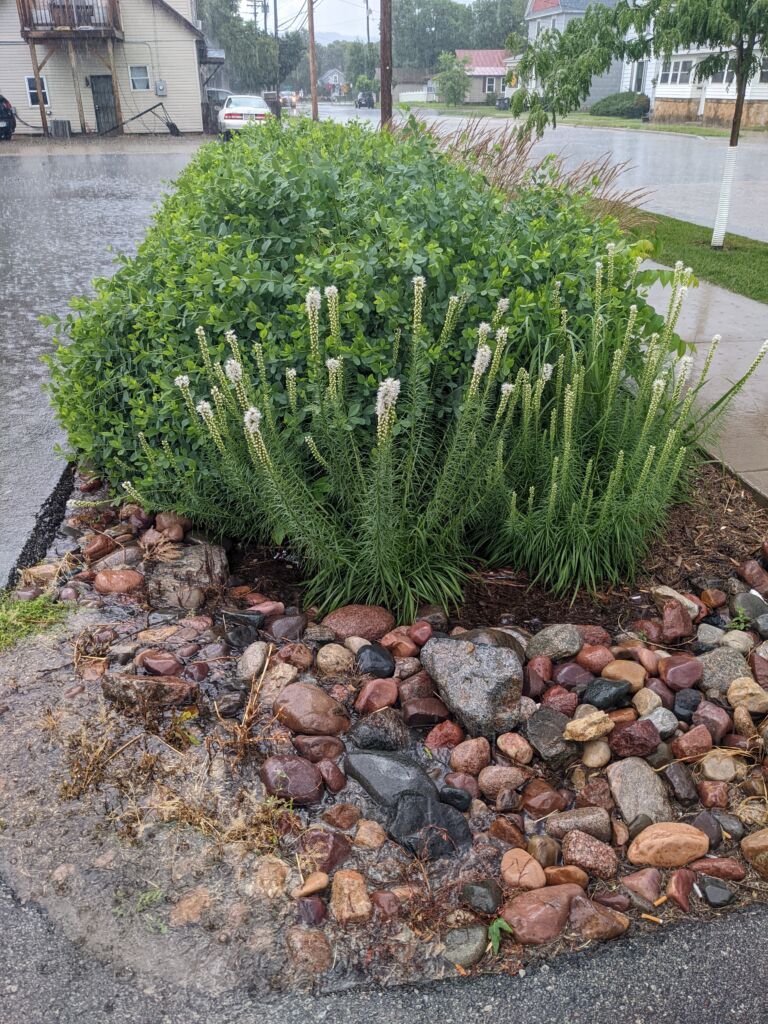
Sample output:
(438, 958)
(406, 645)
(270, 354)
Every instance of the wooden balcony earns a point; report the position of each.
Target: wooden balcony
(70, 19)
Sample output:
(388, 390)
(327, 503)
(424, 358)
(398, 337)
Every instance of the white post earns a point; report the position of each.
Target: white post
(724, 205)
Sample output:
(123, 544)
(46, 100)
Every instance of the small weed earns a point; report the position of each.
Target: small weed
(740, 621)
(20, 619)
(495, 929)
(141, 906)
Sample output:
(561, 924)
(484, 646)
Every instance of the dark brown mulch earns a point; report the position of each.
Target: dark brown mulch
(722, 525)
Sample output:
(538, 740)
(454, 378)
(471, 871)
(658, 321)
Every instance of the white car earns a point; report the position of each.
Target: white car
(241, 111)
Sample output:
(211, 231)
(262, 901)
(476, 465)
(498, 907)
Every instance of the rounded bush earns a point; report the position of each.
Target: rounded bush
(254, 223)
(622, 104)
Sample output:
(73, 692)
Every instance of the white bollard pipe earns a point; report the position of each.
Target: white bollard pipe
(724, 205)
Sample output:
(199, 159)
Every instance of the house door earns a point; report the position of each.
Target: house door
(104, 103)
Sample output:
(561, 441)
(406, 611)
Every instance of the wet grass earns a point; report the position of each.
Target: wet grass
(741, 265)
(20, 619)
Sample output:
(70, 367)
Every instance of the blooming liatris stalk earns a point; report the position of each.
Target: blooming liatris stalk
(131, 491)
(332, 298)
(182, 381)
(386, 398)
(231, 339)
(502, 334)
(335, 373)
(502, 308)
(483, 332)
(252, 420)
(252, 423)
(290, 387)
(312, 303)
(419, 285)
(506, 394)
(546, 372)
(482, 361)
(202, 342)
(233, 370)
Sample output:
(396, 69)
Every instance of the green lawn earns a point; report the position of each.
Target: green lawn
(19, 619)
(741, 266)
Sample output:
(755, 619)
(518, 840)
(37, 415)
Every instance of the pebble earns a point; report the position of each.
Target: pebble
(588, 727)
(291, 777)
(591, 921)
(375, 694)
(465, 947)
(375, 660)
(117, 581)
(638, 790)
(556, 642)
(596, 754)
(444, 735)
(595, 821)
(540, 916)
(519, 870)
(668, 845)
(484, 896)
(307, 709)
(715, 892)
(471, 756)
(335, 660)
(607, 694)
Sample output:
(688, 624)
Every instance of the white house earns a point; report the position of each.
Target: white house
(544, 15)
(99, 63)
(333, 80)
(486, 70)
(676, 94)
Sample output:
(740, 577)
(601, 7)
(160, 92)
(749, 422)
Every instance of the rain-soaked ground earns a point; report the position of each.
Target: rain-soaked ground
(61, 215)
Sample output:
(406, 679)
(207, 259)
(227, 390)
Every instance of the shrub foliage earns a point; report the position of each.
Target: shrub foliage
(252, 225)
(622, 104)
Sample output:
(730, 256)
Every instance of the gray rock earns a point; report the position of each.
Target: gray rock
(386, 776)
(761, 625)
(738, 640)
(638, 790)
(480, 684)
(680, 778)
(556, 642)
(252, 661)
(185, 581)
(752, 605)
(595, 821)
(730, 824)
(720, 668)
(427, 828)
(708, 637)
(544, 731)
(497, 638)
(385, 730)
(465, 946)
(665, 721)
(661, 756)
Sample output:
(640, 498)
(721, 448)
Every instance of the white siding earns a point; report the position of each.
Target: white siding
(153, 37)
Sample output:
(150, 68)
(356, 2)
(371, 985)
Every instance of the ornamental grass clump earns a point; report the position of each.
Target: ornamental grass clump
(566, 469)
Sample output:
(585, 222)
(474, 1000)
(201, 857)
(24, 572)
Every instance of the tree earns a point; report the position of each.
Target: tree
(423, 29)
(561, 66)
(452, 79)
(494, 20)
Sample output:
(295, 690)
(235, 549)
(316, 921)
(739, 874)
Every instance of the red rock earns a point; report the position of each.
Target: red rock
(117, 581)
(597, 793)
(542, 666)
(570, 675)
(160, 691)
(495, 778)
(755, 576)
(735, 741)
(196, 671)
(540, 916)
(268, 608)
(649, 660)
(424, 711)
(663, 691)
(595, 636)
(594, 658)
(415, 687)
(614, 900)
(506, 831)
(720, 867)
(159, 663)
(471, 756)
(310, 910)
(679, 888)
(420, 632)
(676, 622)
(589, 854)
(591, 921)
(445, 734)
(561, 700)
(459, 780)
(636, 739)
(368, 621)
(714, 598)
(515, 747)
(334, 778)
(653, 629)
(714, 718)
(713, 794)
(98, 547)
(622, 716)
(308, 709)
(291, 777)
(343, 816)
(759, 666)
(399, 644)
(296, 654)
(318, 748)
(540, 799)
(324, 850)
(533, 684)
(680, 671)
(694, 743)
(375, 695)
(565, 875)
(165, 521)
(386, 904)
(645, 883)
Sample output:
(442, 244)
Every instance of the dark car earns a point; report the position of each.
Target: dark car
(365, 99)
(7, 118)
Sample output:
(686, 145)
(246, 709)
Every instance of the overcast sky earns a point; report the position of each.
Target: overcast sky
(342, 17)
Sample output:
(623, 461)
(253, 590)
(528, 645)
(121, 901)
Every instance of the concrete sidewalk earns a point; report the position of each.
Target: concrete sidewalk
(743, 325)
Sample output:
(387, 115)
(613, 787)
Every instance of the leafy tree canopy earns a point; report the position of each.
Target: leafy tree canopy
(452, 80)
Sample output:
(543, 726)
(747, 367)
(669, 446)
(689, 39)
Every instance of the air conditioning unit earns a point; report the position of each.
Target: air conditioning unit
(60, 129)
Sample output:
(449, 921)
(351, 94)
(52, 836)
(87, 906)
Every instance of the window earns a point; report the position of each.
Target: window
(665, 69)
(764, 70)
(727, 75)
(639, 76)
(32, 91)
(685, 71)
(676, 72)
(490, 84)
(139, 75)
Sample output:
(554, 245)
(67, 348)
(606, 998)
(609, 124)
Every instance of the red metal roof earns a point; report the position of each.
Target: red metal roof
(540, 6)
(484, 62)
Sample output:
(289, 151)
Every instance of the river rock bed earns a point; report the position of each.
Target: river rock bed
(222, 789)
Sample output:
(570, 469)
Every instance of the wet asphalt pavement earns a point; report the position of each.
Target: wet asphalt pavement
(64, 220)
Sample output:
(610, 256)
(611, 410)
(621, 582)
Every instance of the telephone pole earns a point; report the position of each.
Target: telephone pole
(277, 62)
(367, 38)
(312, 57)
(265, 12)
(385, 29)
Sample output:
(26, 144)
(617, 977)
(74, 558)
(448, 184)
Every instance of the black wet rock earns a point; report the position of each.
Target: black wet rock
(709, 825)
(458, 798)
(729, 823)
(242, 628)
(686, 702)
(428, 828)
(386, 776)
(544, 731)
(485, 896)
(384, 730)
(608, 694)
(375, 660)
(715, 891)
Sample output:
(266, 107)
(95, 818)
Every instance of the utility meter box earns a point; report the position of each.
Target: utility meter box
(161, 89)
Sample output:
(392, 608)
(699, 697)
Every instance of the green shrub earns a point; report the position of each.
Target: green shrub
(622, 104)
(567, 471)
(254, 223)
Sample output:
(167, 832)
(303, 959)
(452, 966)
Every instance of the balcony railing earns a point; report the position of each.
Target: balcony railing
(42, 18)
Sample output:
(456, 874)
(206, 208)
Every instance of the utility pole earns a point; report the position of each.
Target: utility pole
(312, 57)
(265, 12)
(277, 63)
(367, 38)
(385, 29)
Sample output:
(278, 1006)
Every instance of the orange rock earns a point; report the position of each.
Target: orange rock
(567, 874)
(520, 871)
(631, 671)
(668, 844)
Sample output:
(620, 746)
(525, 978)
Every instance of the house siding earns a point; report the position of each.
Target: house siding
(153, 37)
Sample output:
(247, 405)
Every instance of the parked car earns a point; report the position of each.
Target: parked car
(288, 98)
(217, 96)
(365, 99)
(240, 112)
(7, 118)
(502, 103)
